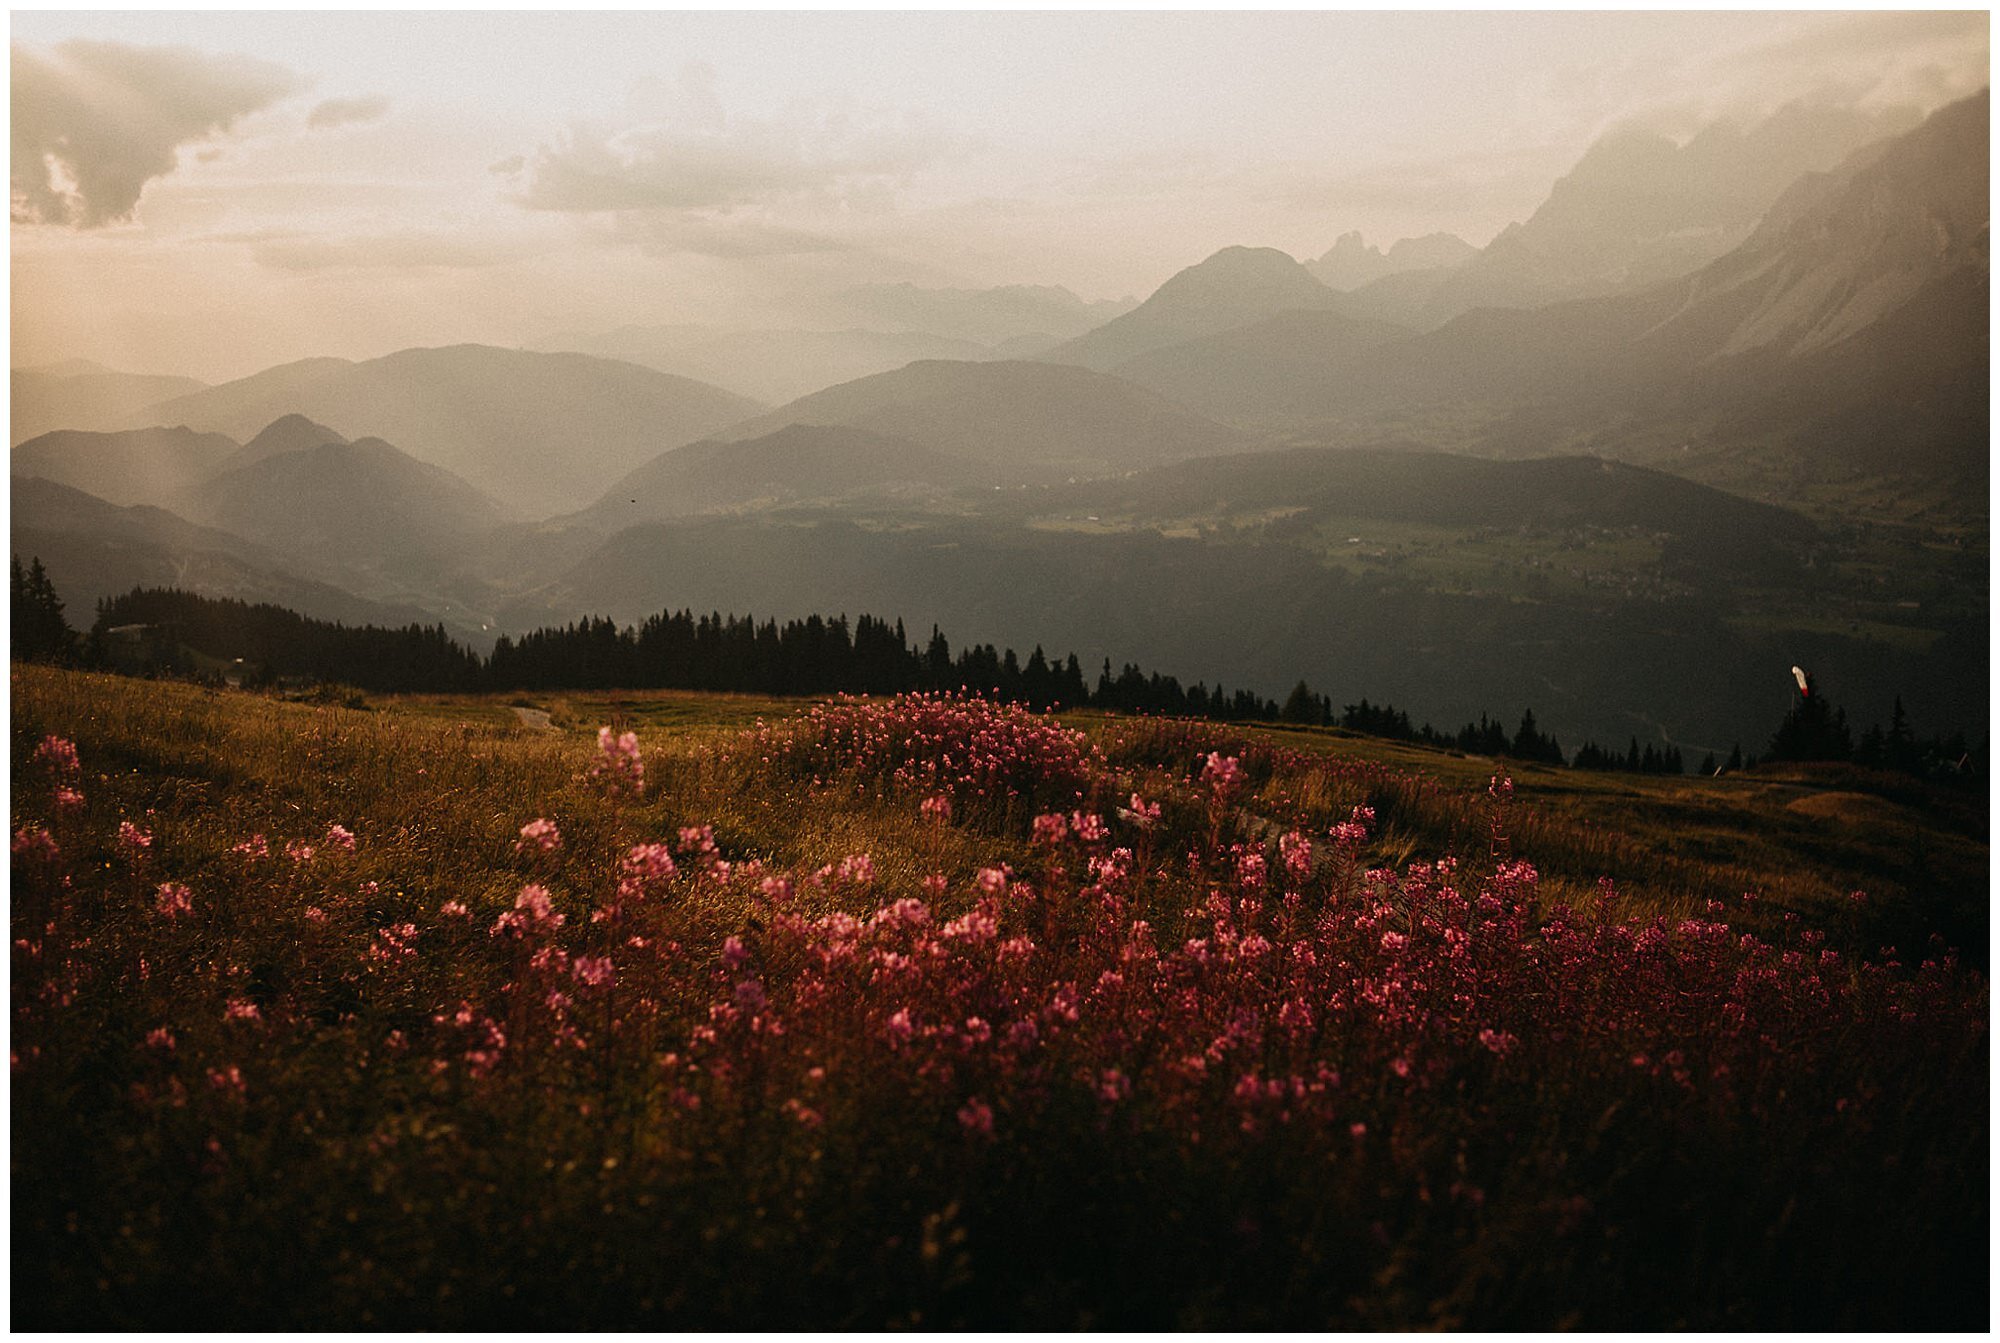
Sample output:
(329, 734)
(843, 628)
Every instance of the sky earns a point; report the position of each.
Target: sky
(211, 194)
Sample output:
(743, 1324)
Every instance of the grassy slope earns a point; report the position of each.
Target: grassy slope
(1800, 837)
(349, 1186)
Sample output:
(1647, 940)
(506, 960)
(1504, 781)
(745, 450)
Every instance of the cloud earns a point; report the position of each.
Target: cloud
(733, 238)
(412, 250)
(695, 158)
(346, 111)
(1445, 187)
(94, 122)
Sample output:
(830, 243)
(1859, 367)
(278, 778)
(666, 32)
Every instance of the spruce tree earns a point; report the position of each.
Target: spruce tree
(41, 634)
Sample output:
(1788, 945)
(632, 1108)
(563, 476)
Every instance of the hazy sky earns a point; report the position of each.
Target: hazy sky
(214, 193)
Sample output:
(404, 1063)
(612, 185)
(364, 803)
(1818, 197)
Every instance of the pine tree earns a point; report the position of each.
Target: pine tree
(40, 631)
(1899, 748)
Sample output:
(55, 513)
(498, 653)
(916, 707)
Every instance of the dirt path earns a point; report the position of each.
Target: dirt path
(534, 719)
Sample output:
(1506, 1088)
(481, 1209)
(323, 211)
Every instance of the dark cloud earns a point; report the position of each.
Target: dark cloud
(93, 122)
(346, 111)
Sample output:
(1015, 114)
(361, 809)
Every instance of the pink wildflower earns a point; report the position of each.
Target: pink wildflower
(1222, 773)
(340, 837)
(618, 768)
(533, 912)
(173, 900)
(593, 970)
(35, 843)
(976, 1116)
(242, 1009)
(539, 835)
(1089, 826)
(1296, 852)
(58, 753)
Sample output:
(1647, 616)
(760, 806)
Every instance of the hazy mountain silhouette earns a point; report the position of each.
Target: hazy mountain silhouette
(1844, 249)
(539, 432)
(1861, 299)
(1015, 416)
(363, 503)
(772, 366)
(133, 466)
(287, 433)
(1353, 262)
(1640, 208)
(1261, 371)
(1233, 288)
(800, 461)
(79, 394)
(1037, 314)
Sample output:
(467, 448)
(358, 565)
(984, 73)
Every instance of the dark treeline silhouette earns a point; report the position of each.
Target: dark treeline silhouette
(39, 631)
(164, 631)
(677, 650)
(1486, 737)
(1815, 729)
(1637, 760)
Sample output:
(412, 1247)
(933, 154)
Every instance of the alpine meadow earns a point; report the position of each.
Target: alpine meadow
(1000, 670)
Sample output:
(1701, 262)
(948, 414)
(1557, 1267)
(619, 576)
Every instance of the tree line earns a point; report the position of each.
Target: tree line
(165, 631)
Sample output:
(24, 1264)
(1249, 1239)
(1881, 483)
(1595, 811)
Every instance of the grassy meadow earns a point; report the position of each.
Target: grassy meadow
(930, 1013)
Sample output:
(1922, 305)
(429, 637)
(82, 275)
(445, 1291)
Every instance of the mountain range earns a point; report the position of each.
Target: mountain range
(539, 432)
(1654, 476)
(1640, 207)
(1019, 418)
(1352, 262)
(79, 394)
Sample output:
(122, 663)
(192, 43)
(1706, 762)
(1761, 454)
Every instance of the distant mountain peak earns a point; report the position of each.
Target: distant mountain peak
(1231, 288)
(1352, 261)
(288, 433)
(1640, 207)
(1243, 265)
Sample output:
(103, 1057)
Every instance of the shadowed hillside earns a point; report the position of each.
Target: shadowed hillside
(1015, 416)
